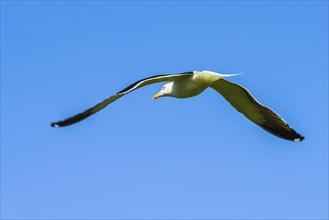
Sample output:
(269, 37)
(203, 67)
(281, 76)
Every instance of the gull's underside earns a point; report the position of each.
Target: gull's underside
(193, 83)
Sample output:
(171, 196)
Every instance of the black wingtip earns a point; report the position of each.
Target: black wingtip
(54, 125)
(299, 139)
(284, 132)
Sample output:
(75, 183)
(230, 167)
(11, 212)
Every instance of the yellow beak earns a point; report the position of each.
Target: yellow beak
(157, 96)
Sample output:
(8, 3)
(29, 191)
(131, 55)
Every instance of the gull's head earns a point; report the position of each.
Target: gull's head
(165, 91)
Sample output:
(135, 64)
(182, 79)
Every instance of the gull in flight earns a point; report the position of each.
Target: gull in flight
(189, 84)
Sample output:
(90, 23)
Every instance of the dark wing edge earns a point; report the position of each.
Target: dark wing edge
(152, 79)
(85, 114)
(141, 83)
(242, 100)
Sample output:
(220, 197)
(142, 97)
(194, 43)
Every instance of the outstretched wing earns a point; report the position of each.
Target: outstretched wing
(107, 101)
(242, 100)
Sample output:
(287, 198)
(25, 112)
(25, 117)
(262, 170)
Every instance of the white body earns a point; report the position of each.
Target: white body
(192, 86)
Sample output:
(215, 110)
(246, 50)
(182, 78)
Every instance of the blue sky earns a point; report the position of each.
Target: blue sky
(169, 158)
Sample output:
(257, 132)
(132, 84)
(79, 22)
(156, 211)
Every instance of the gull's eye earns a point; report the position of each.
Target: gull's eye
(163, 88)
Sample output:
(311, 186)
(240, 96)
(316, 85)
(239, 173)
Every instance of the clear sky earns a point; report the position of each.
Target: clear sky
(169, 158)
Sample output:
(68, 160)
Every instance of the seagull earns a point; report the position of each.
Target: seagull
(189, 84)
